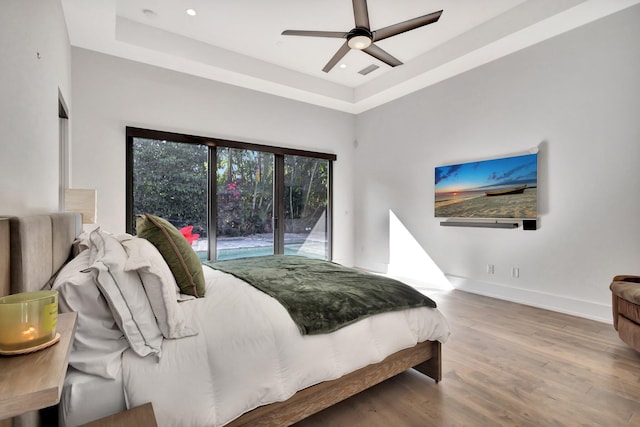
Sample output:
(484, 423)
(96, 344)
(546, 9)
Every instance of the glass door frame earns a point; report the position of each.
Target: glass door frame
(278, 209)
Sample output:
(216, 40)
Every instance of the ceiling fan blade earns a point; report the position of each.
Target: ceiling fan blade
(361, 14)
(382, 55)
(405, 26)
(337, 57)
(332, 34)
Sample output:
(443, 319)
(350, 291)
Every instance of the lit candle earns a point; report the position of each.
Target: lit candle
(29, 333)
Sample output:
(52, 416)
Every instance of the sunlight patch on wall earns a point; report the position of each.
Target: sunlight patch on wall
(409, 262)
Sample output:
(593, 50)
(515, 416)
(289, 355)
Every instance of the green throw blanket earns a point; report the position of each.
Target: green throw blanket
(322, 296)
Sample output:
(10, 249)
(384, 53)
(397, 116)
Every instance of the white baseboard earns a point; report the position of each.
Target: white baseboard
(562, 304)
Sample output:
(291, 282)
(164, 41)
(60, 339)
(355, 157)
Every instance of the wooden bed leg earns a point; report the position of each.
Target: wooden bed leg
(432, 367)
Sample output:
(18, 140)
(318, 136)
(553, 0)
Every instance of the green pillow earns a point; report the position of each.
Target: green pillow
(176, 251)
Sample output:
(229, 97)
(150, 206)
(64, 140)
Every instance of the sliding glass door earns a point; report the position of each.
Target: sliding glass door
(306, 202)
(244, 208)
(257, 200)
(170, 180)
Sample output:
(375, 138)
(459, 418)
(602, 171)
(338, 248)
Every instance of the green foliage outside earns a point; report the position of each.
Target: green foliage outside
(170, 180)
(306, 184)
(245, 192)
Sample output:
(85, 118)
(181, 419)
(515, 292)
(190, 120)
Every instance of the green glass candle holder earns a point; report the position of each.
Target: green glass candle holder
(28, 319)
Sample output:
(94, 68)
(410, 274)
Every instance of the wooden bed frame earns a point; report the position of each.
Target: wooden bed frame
(41, 244)
(424, 357)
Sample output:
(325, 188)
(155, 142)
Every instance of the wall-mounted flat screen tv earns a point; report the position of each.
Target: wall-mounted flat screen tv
(499, 188)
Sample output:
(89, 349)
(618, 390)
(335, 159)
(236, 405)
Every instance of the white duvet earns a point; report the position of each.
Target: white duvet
(248, 353)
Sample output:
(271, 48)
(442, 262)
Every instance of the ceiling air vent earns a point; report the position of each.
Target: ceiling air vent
(368, 69)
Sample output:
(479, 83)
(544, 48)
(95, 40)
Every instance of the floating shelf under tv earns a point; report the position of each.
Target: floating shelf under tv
(527, 224)
(480, 224)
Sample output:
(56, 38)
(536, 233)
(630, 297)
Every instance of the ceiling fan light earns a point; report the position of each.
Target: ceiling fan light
(359, 42)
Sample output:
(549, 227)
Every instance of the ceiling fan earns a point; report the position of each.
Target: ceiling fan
(362, 38)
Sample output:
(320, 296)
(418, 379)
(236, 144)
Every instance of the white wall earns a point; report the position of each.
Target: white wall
(578, 97)
(110, 94)
(29, 171)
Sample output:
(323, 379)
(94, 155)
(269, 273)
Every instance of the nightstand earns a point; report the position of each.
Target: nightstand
(34, 381)
(140, 416)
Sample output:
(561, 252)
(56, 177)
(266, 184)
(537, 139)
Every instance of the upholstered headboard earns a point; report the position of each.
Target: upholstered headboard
(39, 245)
(5, 279)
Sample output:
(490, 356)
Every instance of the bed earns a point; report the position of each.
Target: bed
(310, 372)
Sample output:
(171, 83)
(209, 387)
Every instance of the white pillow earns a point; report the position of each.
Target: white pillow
(160, 285)
(98, 341)
(124, 293)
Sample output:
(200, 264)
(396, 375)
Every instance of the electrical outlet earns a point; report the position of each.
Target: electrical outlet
(489, 268)
(515, 272)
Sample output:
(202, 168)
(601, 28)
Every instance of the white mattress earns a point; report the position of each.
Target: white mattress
(248, 353)
(88, 397)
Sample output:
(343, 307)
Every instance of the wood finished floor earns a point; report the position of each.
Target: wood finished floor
(507, 364)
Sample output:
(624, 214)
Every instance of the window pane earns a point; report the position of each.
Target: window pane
(170, 181)
(306, 200)
(245, 203)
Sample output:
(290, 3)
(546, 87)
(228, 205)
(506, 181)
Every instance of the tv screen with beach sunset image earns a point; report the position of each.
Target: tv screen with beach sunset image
(498, 188)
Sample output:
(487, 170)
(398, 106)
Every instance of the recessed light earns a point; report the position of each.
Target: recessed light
(191, 12)
(343, 66)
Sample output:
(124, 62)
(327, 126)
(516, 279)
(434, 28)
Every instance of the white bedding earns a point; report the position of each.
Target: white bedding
(248, 352)
(87, 397)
